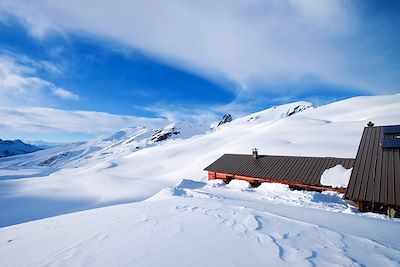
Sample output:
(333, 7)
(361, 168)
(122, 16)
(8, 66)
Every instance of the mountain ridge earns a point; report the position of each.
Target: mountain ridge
(15, 147)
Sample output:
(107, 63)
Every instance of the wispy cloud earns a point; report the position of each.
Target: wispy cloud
(60, 92)
(257, 44)
(202, 114)
(20, 84)
(55, 120)
(25, 99)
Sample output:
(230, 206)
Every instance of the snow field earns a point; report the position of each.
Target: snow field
(197, 224)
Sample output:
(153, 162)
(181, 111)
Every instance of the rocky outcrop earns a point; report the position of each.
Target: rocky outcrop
(163, 134)
(225, 119)
(297, 109)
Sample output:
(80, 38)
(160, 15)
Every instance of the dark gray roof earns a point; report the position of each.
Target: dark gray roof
(305, 170)
(376, 174)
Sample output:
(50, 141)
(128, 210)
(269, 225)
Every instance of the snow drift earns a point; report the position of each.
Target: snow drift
(195, 231)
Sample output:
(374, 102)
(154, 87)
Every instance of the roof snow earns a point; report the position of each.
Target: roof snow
(337, 176)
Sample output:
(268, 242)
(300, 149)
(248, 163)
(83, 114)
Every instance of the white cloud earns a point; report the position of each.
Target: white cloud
(64, 93)
(200, 114)
(20, 86)
(21, 94)
(55, 120)
(253, 43)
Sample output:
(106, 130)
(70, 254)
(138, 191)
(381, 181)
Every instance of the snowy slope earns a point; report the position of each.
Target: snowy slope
(184, 222)
(15, 147)
(195, 224)
(110, 171)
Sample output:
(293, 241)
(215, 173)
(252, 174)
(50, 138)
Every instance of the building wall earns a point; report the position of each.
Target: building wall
(226, 177)
(211, 175)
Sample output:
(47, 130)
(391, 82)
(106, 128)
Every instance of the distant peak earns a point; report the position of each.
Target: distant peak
(225, 119)
(15, 147)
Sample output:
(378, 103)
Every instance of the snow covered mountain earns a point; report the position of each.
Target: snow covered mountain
(135, 163)
(122, 142)
(158, 175)
(15, 147)
(132, 139)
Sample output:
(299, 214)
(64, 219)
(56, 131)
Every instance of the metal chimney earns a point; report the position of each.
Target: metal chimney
(370, 124)
(255, 153)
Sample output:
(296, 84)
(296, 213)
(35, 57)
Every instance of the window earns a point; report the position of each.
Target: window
(390, 143)
(391, 137)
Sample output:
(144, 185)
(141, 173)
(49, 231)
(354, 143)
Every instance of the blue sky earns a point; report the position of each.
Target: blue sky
(99, 67)
(109, 78)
